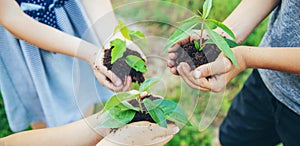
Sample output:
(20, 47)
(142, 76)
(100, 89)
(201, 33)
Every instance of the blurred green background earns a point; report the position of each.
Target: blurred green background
(188, 136)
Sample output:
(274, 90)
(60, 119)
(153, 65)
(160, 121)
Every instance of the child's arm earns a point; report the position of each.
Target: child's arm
(102, 17)
(74, 134)
(48, 38)
(24, 27)
(247, 15)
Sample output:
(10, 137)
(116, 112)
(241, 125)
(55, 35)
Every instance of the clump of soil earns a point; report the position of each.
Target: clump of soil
(145, 116)
(121, 68)
(189, 54)
(139, 116)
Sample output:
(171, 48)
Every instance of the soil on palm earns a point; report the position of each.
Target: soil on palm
(121, 68)
(189, 54)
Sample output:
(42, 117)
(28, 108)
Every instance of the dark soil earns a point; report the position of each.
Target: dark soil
(121, 68)
(189, 54)
(145, 116)
(139, 116)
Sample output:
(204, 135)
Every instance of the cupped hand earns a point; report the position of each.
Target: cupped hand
(172, 52)
(106, 77)
(212, 76)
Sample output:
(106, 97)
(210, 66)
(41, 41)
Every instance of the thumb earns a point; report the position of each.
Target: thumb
(219, 66)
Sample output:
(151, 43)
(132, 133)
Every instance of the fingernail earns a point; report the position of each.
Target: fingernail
(197, 74)
(175, 130)
(118, 83)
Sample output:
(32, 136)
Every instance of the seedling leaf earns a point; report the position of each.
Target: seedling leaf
(223, 27)
(184, 30)
(148, 83)
(209, 41)
(222, 45)
(116, 117)
(197, 46)
(123, 29)
(119, 47)
(173, 112)
(155, 112)
(137, 34)
(136, 63)
(118, 98)
(206, 8)
(129, 106)
(231, 43)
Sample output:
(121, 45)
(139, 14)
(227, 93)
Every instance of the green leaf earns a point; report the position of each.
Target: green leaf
(137, 34)
(123, 29)
(116, 117)
(209, 41)
(231, 43)
(119, 47)
(222, 45)
(172, 111)
(223, 27)
(118, 98)
(136, 63)
(206, 8)
(129, 106)
(183, 31)
(197, 45)
(155, 112)
(148, 83)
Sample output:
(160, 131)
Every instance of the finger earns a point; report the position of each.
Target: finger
(102, 79)
(110, 75)
(174, 71)
(174, 48)
(172, 56)
(172, 129)
(170, 63)
(218, 83)
(202, 82)
(185, 74)
(127, 83)
(219, 66)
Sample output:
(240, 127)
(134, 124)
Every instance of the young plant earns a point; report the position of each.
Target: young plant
(118, 111)
(119, 47)
(186, 26)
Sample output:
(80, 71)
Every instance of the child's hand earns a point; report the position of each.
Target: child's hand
(173, 50)
(213, 76)
(106, 77)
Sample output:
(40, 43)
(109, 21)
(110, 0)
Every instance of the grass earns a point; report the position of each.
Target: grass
(188, 136)
(4, 127)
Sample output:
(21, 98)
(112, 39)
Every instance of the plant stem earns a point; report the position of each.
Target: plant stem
(140, 104)
(201, 32)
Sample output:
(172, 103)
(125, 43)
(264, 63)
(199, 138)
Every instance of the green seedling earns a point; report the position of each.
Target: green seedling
(186, 27)
(118, 112)
(119, 47)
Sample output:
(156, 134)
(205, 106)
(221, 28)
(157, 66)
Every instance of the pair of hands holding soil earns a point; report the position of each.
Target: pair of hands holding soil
(106, 76)
(213, 76)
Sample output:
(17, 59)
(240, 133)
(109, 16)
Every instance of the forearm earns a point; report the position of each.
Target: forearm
(41, 35)
(247, 15)
(281, 59)
(77, 133)
(102, 17)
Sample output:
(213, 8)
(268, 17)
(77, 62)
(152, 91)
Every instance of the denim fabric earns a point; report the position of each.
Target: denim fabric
(38, 85)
